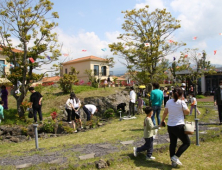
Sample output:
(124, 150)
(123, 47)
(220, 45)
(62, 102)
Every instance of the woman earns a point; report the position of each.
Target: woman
(4, 96)
(72, 107)
(165, 95)
(176, 108)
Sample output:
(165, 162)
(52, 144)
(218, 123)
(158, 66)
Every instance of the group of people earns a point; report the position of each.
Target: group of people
(73, 105)
(175, 109)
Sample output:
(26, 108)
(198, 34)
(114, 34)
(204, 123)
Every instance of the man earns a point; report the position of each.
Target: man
(132, 102)
(36, 104)
(218, 100)
(183, 86)
(156, 101)
(89, 109)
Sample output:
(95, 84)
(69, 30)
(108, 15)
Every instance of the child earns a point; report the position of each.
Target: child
(1, 111)
(148, 135)
(140, 104)
(193, 104)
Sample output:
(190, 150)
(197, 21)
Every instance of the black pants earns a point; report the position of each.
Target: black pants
(165, 100)
(220, 112)
(131, 108)
(88, 113)
(148, 146)
(39, 110)
(69, 115)
(176, 132)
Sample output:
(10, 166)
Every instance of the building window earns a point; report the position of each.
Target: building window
(2, 67)
(103, 69)
(66, 71)
(96, 70)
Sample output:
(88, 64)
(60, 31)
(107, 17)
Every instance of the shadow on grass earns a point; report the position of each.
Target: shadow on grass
(136, 129)
(140, 161)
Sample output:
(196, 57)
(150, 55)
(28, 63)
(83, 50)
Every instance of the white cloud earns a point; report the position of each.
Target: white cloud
(153, 4)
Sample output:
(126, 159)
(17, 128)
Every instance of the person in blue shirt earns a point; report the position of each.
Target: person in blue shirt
(156, 98)
(1, 111)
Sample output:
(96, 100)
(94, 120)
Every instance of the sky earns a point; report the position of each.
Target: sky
(93, 24)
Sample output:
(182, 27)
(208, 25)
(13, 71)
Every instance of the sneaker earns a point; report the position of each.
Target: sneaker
(176, 160)
(75, 131)
(70, 122)
(81, 127)
(150, 158)
(174, 165)
(135, 151)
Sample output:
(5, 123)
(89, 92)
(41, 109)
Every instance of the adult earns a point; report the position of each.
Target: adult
(73, 105)
(108, 80)
(191, 89)
(105, 83)
(156, 98)
(165, 95)
(36, 103)
(218, 100)
(89, 109)
(176, 108)
(132, 102)
(4, 96)
(183, 87)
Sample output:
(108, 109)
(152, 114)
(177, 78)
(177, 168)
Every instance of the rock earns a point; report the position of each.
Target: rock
(76, 166)
(101, 164)
(110, 161)
(8, 137)
(23, 166)
(13, 139)
(127, 142)
(105, 146)
(57, 161)
(100, 124)
(78, 150)
(88, 156)
(1, 132)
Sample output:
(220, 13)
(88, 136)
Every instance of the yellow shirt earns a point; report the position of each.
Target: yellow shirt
(149, 128)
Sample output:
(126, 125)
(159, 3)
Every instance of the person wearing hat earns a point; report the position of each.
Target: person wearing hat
(218, 100)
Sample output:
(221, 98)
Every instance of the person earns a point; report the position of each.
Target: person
(121, 107)
(73, 105)
(36, 103)
(1, 111)
(193, 104)
(89, 109)
(156, 98)
(140, 104)
(109, 81)
(191, 89)
(166, 95)
(148, 135)
(218, 100)
(183, 87)
(132, 102)
(105, 83)
(4, 96)
(176, 108)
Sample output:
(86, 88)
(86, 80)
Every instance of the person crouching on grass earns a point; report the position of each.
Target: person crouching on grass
(148, 135)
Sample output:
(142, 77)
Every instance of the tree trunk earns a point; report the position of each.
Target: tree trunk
(20, 109)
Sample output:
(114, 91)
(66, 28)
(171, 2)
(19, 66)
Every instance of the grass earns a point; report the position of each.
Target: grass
(205, 156)
(53, 97)
(200, 97)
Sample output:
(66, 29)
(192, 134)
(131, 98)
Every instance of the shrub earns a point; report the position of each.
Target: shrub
(68, 129)
(109, 113)
(24, 131)
(48, 126)
(39, 88)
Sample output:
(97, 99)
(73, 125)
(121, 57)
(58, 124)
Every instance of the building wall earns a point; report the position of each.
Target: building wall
(85, 65)
(2, 57)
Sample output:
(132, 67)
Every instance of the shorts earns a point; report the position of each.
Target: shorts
(75, 115)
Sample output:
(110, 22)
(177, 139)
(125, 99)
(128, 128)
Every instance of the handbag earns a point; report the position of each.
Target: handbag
(30, 115)
(189, 128)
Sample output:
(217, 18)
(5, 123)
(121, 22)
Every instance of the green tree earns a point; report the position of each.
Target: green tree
(146, 41)
(68, 80)
(196, 65)
(25, 21)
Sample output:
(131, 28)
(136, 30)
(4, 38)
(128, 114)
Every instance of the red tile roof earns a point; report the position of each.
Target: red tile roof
(14, 50)
(91, 57)
(119, 78)
(50, 79)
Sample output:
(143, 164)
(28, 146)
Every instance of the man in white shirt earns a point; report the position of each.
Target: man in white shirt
(132, 101)
(89, 109)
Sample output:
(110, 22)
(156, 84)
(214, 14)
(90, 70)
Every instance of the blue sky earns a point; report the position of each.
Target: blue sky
(93, 24)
